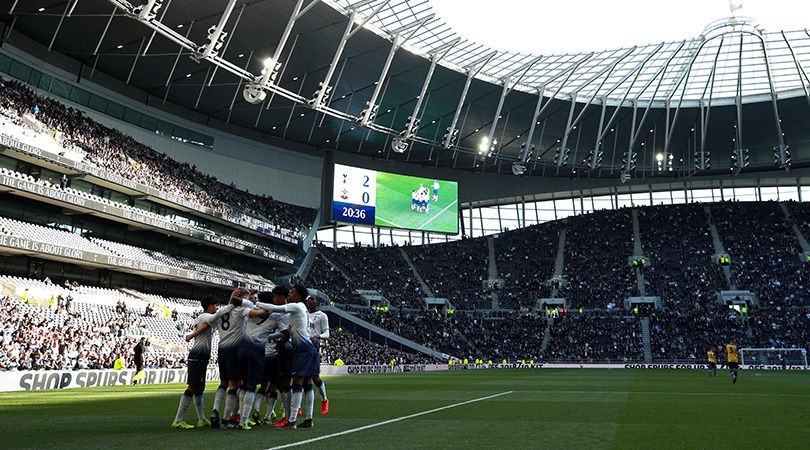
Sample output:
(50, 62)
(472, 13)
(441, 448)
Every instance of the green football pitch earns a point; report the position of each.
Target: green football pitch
(393, 207)
(502, 409)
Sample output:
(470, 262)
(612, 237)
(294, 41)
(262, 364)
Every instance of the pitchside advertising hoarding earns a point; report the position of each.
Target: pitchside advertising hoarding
(42, 380)
(369, 197)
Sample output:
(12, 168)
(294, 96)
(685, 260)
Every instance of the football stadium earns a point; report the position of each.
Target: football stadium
(411, 224)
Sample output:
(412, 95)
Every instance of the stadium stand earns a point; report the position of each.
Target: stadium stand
(92, 337)
(455, 271)
(595, 339)
(381, 269)
(765, 254)
(678, 241)
(111, 150)
(525, 259)
(174, 220)
(676, 238)
(330, 280)
(352, 349)
(686, 336)
(690, 322)
(100, 325)
(468, 335)
(597, 246)
(39, 233)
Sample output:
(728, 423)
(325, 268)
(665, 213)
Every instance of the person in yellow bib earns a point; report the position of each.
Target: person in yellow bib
(733, 359)
(712, 365)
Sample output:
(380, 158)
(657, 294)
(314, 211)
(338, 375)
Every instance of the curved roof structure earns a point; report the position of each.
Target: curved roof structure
(330, 74)
(731, 57)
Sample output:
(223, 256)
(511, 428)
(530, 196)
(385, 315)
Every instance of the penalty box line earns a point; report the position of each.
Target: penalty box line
(437, 215)
(386, 422)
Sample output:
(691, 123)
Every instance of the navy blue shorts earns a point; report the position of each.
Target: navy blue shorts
(251, 365)
(712, 365)
(270, 369)
(733, 366)
(305, 361)
(228, 363)
(318, 358)
(285, 356)
(196, 372)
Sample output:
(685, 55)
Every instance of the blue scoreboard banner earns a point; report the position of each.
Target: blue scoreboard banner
(354, 195)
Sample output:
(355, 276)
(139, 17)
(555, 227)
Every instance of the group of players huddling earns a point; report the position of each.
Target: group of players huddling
(268, 340)
(420, 198)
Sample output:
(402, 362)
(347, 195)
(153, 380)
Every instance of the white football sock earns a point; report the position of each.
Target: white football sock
(322, 390)
(199, 405)
(271, 405)
(247, 405)
(230, 404)
(218, 397)
(310, 396)
(295, 404)
(181, 409)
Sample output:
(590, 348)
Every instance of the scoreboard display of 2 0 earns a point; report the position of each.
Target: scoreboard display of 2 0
(354, 195)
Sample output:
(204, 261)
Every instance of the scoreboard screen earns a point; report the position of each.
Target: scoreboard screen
(390, 200)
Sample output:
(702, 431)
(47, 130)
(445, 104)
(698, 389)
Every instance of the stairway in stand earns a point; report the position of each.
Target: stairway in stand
(645, 335)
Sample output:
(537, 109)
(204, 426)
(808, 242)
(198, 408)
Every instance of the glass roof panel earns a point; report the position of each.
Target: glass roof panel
(694, 61)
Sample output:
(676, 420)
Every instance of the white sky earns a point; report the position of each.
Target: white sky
(561, 26)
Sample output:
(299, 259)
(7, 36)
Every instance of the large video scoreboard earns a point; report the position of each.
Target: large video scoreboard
(365, 196)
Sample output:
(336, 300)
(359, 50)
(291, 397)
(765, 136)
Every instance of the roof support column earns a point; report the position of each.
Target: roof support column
(802, 74)
(370, 112)
(782, 150)
(488, 144)
(472, 71)
(318, 101)
(216, 35)
(413, 122)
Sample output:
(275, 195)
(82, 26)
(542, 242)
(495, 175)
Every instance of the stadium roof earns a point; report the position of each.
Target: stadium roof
(732, 61)
(732, 56)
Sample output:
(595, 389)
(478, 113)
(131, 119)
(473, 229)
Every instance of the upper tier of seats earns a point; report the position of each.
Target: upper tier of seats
(111, 150)
(158, 218)
(25, 230)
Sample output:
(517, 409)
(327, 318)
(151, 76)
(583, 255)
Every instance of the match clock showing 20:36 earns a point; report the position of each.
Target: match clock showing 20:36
(354, 195)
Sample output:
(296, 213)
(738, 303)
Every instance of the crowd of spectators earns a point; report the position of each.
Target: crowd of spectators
(471, 335)
(353, 350)
(678, 244)
(525, 260)
(688, 334)
(780, 327)
(379, 269)
(426, 327)
(455, 270)
(594, 339)
(764, 251)
(597, 247)
(329, 280)
(115, 152)
(36, 338)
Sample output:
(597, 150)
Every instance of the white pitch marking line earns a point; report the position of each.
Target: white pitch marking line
(379, 424)
(388, 221)
(437, 215)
